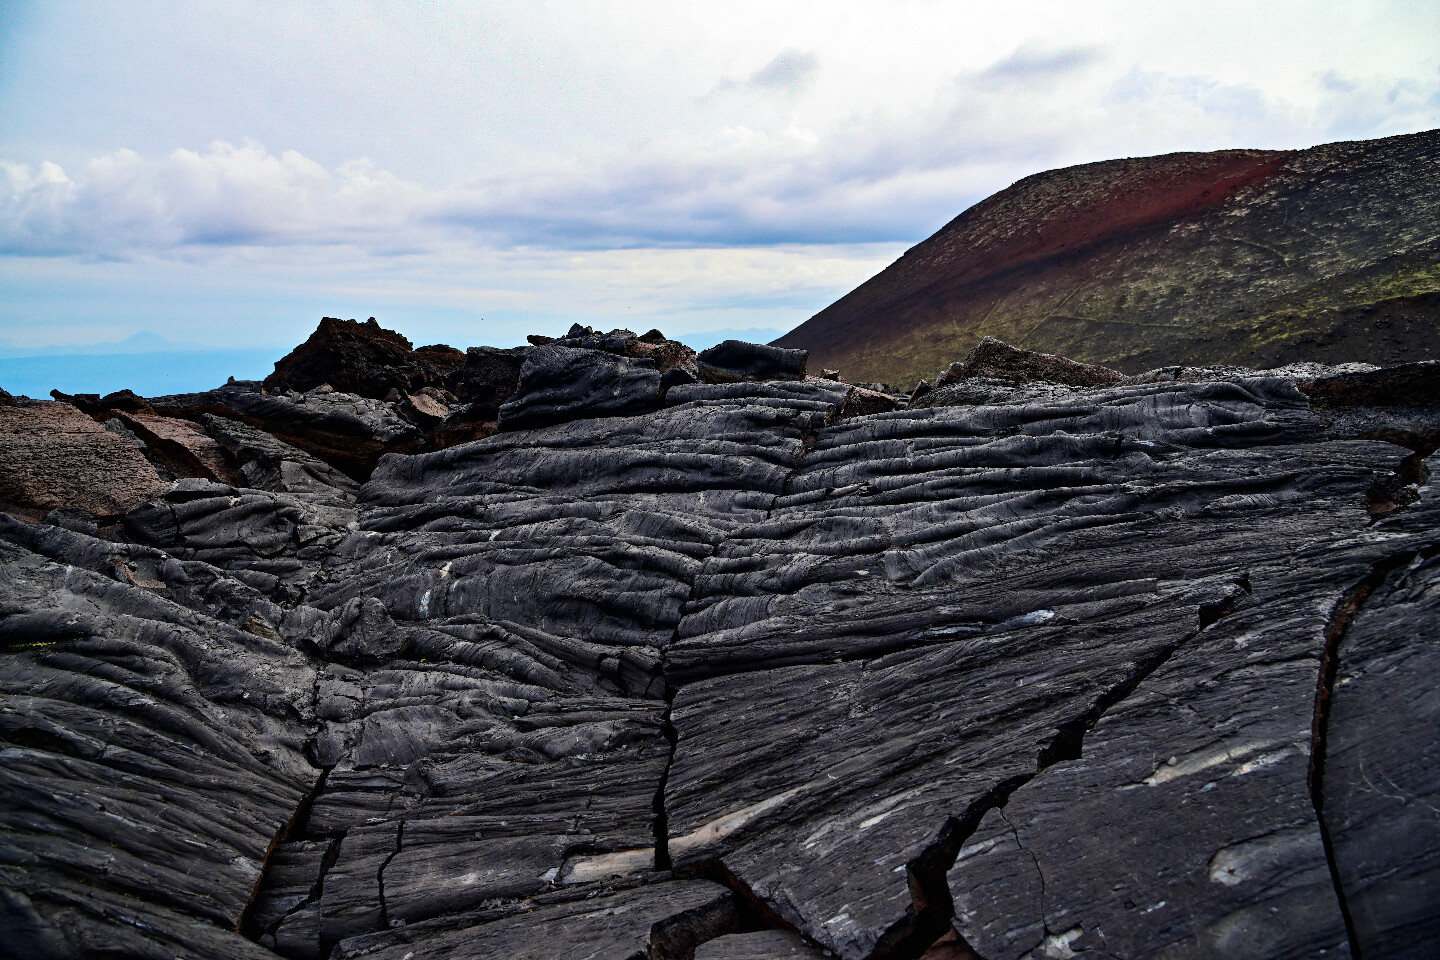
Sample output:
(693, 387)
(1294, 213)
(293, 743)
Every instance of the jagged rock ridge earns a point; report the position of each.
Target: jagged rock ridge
(1020, 668)
(1249, 257)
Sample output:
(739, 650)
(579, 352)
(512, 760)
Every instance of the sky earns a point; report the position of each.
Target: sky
(224, 174)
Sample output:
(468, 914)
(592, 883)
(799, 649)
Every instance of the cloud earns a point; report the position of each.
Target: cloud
(791, 71)
(591, 160)
(227, 196)
(886, 175)
(1032, 66)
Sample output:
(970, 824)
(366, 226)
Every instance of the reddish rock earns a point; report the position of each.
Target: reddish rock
(665, 353)
(53, 455)
(182, 446)
(1410, 384)
(996, 360)
(425, 408)
(860, 402)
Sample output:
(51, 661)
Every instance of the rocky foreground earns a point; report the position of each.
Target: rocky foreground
(576, 655)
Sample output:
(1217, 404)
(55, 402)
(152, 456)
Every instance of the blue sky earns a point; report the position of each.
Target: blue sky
(223, 174)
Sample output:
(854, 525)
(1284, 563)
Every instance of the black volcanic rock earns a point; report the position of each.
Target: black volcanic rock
(565, 383)
(154, 752)
(267, 463)
(737, 360)
(346, 431)
(745, 669)
(489, 376)
(1377, 777)
(359, 358)
(761, 945)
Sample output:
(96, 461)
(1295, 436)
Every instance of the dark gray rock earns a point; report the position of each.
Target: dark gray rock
(281, 537)
(75, 519)
(662, 921)
(1186, 826)
(153, 752)
(761, 945)
(489, 377)
(346, 431)
(563, 383)
(737, 360)
(267, 463)
(513, 697)
(1378, 771)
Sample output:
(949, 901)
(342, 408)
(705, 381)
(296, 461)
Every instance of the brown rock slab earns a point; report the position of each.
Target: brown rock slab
(55, 456)
(188, 451)
(861, 402)
(996, 360)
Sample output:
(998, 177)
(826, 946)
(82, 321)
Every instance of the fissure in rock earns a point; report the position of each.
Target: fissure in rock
(247, 926)
(1340, 619)
(934, 906)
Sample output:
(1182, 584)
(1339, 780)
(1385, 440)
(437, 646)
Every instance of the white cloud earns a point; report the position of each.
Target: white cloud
(877, 179)
(512, 148)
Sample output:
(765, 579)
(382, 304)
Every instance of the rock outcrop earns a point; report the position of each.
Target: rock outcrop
(52, 455)
(1249, 257)
(565, 383)
(364, 359)
(735, 360)
(775, 667)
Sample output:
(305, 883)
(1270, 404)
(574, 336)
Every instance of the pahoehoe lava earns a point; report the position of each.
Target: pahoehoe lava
(604, 648)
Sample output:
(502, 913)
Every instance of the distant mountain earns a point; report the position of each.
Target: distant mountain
(1250, 257)
(142, 341)
(149, 373)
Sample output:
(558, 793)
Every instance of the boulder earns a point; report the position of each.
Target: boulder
(440, 361)
(53, 455)
(986, 391)
(99, 407)
(995, 360)
(736, 360)
(181, 448)
(361, 631)
(563, 383)
(360, 358)
(1407, 385)
(348, 432)
(665, 354)
(74, 519)
(860, 402)
(267, 463)
(425, 410)
(463, 423)
(489, 376)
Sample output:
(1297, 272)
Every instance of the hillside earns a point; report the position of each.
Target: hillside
(1249, 257)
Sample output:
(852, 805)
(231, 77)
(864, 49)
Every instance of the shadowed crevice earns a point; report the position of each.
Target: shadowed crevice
(933, 907)
(1339, 624)
(246, 927)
